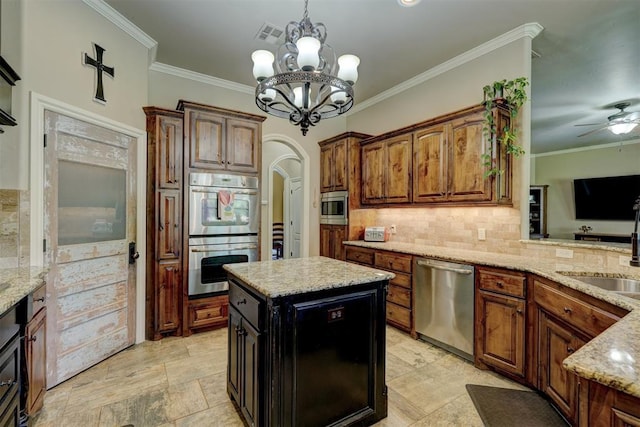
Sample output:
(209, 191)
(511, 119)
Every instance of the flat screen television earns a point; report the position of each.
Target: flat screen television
(607, 198)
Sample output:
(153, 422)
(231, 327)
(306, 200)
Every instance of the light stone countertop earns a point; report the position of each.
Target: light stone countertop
(17, 283)
(300, 275)
(612, 358)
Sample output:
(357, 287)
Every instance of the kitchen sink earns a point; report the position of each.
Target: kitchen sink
(620, 285)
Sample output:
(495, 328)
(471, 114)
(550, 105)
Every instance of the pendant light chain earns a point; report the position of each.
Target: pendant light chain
(305, 16)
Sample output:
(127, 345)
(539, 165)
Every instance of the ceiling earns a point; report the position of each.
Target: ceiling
(589, 49)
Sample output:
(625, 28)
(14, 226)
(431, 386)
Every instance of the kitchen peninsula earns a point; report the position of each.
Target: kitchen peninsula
(307, 342)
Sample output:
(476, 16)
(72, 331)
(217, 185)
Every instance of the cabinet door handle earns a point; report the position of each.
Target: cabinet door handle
(567, 310)
(7, 383)
(32, 338)
(41, 299)
(519, 310)
(570, 350)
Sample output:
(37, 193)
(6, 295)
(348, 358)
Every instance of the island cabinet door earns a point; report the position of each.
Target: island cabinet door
(233, 365)
(250, 359)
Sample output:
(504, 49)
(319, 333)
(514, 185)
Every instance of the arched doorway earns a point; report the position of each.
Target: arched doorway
(280, 155)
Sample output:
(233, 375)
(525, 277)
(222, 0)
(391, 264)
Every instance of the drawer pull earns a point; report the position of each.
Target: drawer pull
(567, 310)
(500, 285)
(7, 383)
(41, 299)
(242, 301)
(238, 329)
(570, 350)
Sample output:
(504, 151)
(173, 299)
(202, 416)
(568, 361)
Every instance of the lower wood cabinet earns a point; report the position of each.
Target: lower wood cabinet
(35, 339)
(500, 320)
(207, 313)
(400, 293)
(607, 407)
(563, 321)
(331, 238)
(167, 298)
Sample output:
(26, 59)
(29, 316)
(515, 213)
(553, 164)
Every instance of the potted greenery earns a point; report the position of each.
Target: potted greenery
(513, 93)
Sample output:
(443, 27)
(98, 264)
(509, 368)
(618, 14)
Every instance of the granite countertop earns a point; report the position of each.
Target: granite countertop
(613, 357)
(16, 283)
(299, 275)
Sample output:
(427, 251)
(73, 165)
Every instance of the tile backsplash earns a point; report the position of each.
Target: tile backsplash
(9, 227)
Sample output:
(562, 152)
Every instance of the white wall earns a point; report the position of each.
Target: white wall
(46, 52)
(558, 171)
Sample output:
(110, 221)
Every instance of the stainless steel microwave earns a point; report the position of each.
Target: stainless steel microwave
(334, 208)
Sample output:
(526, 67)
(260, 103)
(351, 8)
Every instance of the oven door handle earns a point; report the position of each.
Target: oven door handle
(243, 192)
(225, 250)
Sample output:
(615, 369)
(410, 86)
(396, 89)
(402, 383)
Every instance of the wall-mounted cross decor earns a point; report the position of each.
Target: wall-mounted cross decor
(100, 68)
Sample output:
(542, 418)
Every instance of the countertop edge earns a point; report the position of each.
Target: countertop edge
(19, 283)
(586, 361)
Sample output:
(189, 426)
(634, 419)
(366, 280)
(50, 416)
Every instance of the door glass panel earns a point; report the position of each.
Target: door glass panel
(91, 203)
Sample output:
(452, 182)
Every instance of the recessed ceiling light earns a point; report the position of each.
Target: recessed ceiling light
(408, 3)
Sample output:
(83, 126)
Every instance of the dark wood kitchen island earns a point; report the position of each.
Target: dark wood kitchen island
(307, 342)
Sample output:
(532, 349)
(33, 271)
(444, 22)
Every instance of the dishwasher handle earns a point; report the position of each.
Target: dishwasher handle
(441, 267)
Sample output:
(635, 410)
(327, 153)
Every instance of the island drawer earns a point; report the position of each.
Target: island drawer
(584, 316)
(502, 282)
(359, 255)
(392, 261)
(398, 316)
(400, 296)
(245, 303)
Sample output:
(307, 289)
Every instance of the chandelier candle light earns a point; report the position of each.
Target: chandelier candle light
(308, 83)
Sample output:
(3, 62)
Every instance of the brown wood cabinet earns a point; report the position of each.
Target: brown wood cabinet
(207, 313)
(386, 171)
(400, 294)
(607, 407)
(221, 139)
(500, 320)
(564, 320)
(340, 165)
(443, 162)
(331, 238)
(35, 348)
(164, 222)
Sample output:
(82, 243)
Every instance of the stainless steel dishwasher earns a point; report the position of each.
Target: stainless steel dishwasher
(444, 304)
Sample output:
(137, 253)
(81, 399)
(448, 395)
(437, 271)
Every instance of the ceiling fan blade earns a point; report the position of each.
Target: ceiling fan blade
(593, 131)
(592, 124)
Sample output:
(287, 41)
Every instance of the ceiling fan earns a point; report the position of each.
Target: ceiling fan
(619, 123)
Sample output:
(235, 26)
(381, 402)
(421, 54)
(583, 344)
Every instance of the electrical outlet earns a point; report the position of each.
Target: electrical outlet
(482, 234)
(393, 229)
(564, 253)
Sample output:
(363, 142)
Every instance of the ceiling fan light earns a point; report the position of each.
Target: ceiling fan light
(622, 128)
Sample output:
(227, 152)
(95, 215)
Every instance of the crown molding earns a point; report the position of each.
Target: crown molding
(531, 30)
(121, 22)
(634, 140)
(202, 78)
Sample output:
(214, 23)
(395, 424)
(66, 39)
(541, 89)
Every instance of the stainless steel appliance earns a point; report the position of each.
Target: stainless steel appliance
(222, 204)
(207, 255)
(223, 228)
(334, 207)
(444, 304)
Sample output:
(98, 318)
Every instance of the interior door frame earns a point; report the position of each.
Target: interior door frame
(40, 103)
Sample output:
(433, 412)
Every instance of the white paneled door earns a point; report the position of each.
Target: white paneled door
(89, 223)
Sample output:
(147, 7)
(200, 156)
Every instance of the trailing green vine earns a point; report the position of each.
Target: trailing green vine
(514, 94)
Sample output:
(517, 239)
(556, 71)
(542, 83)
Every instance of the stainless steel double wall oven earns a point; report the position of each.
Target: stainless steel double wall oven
(223, 228)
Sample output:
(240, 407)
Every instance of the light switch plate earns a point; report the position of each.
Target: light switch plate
(482, 234)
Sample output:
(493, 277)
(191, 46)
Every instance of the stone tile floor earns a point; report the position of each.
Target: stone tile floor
(181, 382)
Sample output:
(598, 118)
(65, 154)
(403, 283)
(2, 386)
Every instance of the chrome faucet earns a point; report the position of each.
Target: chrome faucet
(635, 259)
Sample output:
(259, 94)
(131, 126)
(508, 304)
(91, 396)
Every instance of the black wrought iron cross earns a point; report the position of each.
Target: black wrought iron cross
(100, 67)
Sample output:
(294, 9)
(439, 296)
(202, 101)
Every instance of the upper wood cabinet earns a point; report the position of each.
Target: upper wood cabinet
(340, 165)
(445, 162)
(221, 139)
(386, 170)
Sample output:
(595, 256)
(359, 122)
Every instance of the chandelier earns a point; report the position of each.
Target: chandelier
(308, 83)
